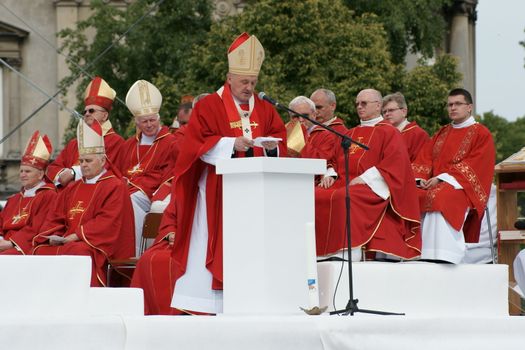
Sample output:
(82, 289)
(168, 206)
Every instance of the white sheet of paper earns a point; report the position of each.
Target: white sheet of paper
(259, 140)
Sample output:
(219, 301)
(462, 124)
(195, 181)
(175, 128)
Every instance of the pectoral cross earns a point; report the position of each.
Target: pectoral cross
(135, 170)
(355, 147)
(19, 217)
(77, 209)
(238, 124)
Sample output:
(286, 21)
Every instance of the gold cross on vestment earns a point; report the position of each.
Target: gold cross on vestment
(19, 217)
(355, 147)
(77, 209)
(135, 170)
(238, 124)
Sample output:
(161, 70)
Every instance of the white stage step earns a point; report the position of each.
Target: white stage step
(419, 288)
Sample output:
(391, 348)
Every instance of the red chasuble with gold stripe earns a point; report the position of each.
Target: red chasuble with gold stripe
(145, 165)
(321, 142)
(102, 217)
(22, 218)
(468, 154)
(210, 122)
(415, 138)
(69, 155)
(390, 226)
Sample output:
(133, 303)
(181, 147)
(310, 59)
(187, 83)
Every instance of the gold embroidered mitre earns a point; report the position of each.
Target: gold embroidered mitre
(99, 93)
(90, 139)
(37, 152)
(245, 55)
(143, 98)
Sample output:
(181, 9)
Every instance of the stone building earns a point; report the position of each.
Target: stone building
(28, 44)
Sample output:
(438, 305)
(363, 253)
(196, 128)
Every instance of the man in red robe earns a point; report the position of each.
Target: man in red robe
(25, 211)
(222, 125)
(98, 102)
(384, 211)
(146, 157)
(395, 111)
(454, 171)
(154, 272)
(92, 216)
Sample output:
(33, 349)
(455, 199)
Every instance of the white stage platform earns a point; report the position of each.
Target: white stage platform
(47, 304)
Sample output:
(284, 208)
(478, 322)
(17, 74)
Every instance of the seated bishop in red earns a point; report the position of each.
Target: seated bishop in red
(455, 170)
(146, 157)
(98, 102)
(25, 211)
(223, 125)
(384, 212)
(92, 216)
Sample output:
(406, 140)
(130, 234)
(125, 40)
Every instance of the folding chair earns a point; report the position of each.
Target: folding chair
(150, 229)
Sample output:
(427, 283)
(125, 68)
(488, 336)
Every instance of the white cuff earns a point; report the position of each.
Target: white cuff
(330, 172)
(222, 150)
(450, 180)
(373, 178)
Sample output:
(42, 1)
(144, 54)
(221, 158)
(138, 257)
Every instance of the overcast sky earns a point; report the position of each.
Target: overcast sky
(500, 71)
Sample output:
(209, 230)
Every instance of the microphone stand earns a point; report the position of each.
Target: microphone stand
(351, 307)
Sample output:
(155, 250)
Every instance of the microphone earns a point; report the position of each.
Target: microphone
(262, 95)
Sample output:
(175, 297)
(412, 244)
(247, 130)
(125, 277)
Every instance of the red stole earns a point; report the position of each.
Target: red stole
(78, 203)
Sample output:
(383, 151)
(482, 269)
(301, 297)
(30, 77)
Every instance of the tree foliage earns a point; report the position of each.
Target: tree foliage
(415, 26)
(508, 136)
(161, 42)
(308, 44)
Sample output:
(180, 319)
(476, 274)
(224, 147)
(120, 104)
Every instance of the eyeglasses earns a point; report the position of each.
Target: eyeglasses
(390, 110)
(363, 103)
(92, 110)
(456, 104)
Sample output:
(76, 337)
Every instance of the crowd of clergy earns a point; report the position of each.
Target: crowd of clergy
(412, 196)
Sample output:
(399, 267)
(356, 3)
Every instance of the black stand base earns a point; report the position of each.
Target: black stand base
(352, 308)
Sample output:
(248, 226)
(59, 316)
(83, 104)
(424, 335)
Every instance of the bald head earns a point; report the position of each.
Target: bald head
(368, 104)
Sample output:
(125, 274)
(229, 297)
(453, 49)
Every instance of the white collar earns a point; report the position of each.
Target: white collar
(402, 125)
(469, 122)
(372, 122)
(32, 191)
(328, 122)
(95, 179)
(148, 140)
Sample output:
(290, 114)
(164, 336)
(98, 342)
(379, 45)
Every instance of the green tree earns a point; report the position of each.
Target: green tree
(415, 26)
(160, 43)
(426, 89)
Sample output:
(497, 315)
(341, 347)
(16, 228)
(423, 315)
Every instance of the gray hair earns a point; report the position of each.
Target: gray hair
(330, 96)
(198, 98)
(299, 100)
(396, 97)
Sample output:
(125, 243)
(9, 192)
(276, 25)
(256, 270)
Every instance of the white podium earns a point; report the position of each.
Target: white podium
(267, 203)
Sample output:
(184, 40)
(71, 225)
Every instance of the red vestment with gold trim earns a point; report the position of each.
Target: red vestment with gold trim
(467, 154)
(321, 142)
(145, 165)
(22, 218)
(391, 226)
(102, 217)
(415, 138)
(209, 122)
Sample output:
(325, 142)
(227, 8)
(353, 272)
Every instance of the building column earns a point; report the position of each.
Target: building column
(462, 40)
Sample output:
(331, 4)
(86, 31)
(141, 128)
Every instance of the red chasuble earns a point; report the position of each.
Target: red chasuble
(390, 226)
(145, 165)
(208, 124)
(69, 155)
(468, 155)
(22, 218)
(415, 138)
(102, 217)
(155, 271)
(321, 143)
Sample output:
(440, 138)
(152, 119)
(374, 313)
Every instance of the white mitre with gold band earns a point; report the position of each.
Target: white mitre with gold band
(245, 55)
(90, 139)
(143, 98)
